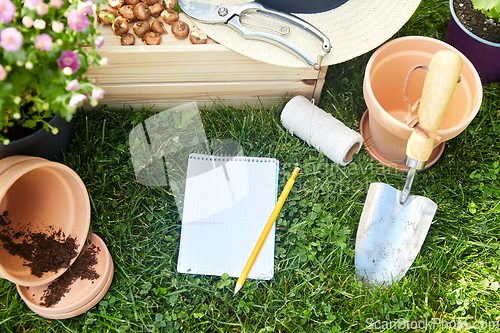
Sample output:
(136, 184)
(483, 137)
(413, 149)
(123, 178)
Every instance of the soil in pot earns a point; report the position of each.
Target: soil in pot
(476, 21)
(43, 252)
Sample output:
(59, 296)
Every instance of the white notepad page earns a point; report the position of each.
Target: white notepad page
(227, 203)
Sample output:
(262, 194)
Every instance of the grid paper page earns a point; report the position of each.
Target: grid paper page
(227, 203)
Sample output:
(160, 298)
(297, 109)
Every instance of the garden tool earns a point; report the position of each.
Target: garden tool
(271, 32)
(394, 224)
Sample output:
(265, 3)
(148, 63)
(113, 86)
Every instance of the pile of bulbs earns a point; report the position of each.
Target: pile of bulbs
(148, 19)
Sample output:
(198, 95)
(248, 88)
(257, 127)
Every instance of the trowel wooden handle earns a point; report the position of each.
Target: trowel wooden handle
(439, 85)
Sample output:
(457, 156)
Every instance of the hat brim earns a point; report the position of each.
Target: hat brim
(354, 28)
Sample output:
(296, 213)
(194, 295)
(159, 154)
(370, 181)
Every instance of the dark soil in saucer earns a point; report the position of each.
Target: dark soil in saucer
(43, 252)
(83, 268)
(476, 21)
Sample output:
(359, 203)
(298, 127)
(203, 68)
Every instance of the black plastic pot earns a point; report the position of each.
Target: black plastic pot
(302, 6)
(42, 143)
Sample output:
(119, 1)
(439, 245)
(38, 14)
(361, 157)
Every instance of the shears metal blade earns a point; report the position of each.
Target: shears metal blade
(231, 15)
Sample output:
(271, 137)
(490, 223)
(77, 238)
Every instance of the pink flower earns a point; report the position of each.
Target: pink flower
(56, 3)
(3, 73)
(31, 4)
(87, 8)
(77, 99)
(77, 20)
(69, 59)
(43, 42)
(11, 39)
(7, 11)
(42, 8)
(73, 85)
(97, 94)
(99, 42)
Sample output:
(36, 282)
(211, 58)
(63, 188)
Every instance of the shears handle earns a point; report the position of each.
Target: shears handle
(253, 7)
(235, 23)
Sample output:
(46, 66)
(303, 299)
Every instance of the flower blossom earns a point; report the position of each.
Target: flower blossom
(87, 8)
(3, 73)
(31, 4)
(67, 71)
(43, 42)
(57, 27)
(39, 24)
(69, 59)
(42, 8)
(11, 39)
(77, 20)
(7, 11)
(99, 42)
(77, 99)
(73, 85)
(97, 94)
(56, 3)
(27, 21)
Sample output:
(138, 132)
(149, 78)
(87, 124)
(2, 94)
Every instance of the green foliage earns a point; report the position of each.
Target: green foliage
(33, 85)
(489, 7)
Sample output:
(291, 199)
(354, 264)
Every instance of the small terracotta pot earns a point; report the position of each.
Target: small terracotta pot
(38, 194)
(383, 85)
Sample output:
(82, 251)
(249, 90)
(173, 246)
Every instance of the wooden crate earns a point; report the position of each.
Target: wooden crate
(176, 72)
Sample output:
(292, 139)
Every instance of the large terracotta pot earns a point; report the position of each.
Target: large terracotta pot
(40, 195)
(485, 55)
(383, 85)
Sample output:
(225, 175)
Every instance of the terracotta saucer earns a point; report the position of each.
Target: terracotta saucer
(84, 308)
(82, 293)
(364, 129)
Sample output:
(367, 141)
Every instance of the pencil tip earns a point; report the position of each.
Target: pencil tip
(237, 288)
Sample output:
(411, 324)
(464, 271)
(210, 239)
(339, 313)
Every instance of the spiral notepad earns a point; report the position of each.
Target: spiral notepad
(227, 203)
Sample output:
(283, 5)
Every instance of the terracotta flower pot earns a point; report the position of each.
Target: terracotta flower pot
(37, 195)
(485, 55)
(384, 123)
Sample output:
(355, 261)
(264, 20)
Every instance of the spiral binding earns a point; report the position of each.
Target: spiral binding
(220, 158)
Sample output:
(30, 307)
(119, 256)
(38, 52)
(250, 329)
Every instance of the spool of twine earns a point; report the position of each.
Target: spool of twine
(321, 130)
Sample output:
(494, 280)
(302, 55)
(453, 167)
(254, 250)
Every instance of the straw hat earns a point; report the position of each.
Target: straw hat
(354, 28)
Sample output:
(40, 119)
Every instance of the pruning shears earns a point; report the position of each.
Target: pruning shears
(231, 16)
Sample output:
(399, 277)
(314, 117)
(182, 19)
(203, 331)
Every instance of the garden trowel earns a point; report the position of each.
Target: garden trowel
(394, 224)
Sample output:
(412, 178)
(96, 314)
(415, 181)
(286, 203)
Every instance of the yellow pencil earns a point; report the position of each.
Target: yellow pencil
(266, 230)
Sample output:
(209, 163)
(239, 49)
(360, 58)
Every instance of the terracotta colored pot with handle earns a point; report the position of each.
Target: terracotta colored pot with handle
(383, 125)
(38, 196)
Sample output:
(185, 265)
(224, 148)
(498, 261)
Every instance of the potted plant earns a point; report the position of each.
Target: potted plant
(474, 29)
(46, 46)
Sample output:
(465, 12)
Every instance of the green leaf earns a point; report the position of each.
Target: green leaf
(495, 286)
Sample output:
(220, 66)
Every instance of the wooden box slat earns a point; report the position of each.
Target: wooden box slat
(176, 71)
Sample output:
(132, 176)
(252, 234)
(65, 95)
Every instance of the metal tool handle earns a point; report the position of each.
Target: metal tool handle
(235, 23)
(297, 21)
(439, 85)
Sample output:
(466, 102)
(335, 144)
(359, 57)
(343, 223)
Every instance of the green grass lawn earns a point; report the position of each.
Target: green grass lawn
(454, 279)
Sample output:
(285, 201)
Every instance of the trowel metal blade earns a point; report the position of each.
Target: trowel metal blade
(390, 234)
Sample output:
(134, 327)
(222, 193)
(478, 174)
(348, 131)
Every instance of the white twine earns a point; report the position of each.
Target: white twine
(321, 130)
